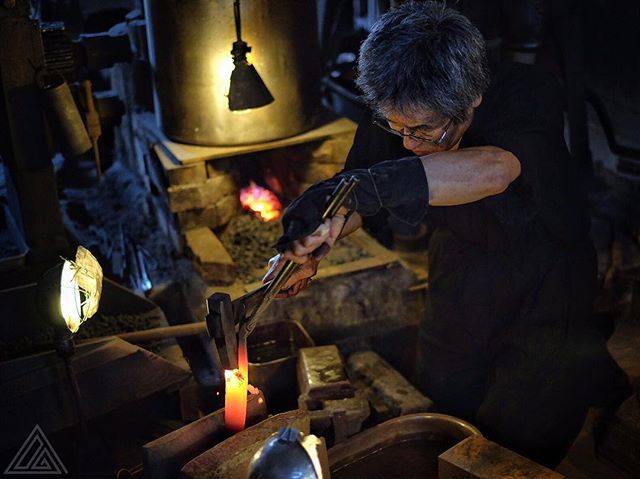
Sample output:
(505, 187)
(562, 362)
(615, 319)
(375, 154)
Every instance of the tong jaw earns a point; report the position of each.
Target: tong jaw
(222, 317)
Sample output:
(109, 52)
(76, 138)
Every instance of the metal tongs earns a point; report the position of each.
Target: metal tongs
(224, 315)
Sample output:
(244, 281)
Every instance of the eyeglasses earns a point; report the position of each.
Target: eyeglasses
(382, 123)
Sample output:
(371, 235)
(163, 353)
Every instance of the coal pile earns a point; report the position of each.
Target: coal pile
(250, 241)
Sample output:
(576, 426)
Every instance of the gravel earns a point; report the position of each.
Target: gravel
(250, 241)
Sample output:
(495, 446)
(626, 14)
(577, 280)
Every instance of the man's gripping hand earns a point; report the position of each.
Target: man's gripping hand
(307, 252)
(399, 186)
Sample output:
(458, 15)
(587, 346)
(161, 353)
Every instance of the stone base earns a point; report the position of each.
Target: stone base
(479, 458)
(389, 393)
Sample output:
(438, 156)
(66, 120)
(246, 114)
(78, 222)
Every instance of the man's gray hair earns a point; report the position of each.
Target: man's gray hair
(423, 56)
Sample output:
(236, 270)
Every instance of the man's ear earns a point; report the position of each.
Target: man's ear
(477, 101)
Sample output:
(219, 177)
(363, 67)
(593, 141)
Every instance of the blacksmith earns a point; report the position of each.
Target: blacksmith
(508, 341)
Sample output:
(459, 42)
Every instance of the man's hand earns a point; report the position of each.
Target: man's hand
(307, 252)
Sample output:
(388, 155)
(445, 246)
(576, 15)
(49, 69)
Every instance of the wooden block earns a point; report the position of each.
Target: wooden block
(227, 208)
(180, 174)
(200, 195)
(230, 459)
(479, 458)
(211, 256)
(164, 457)
(321, 373)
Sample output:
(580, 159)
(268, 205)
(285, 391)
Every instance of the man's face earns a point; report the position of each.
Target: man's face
(429, 133)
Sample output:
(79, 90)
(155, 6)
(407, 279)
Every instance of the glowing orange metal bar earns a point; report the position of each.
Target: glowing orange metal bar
(236, 388)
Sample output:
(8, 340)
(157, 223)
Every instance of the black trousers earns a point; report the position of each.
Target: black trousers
(529, 387)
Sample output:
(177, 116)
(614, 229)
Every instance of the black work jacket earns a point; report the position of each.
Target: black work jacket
(495, 261)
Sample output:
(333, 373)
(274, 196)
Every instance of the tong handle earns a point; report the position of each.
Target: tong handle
(336, 200)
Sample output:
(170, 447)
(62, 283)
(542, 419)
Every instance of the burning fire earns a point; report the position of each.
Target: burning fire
(264, 203)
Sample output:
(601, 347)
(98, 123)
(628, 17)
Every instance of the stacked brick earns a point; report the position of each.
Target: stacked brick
(204, 195)
(322, 160)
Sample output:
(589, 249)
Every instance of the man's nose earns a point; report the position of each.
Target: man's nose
(410, 144)
(417, 145)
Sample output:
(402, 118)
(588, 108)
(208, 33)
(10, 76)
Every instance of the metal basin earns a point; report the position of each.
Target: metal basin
(406, 446)
(273, 359)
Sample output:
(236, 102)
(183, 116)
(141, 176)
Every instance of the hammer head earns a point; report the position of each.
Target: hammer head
(221, 324)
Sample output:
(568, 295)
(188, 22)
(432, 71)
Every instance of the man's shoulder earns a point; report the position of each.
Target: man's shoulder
(519, 76)
(521, 97)
(524, 86)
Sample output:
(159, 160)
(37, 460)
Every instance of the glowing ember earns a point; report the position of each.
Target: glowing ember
(264, 203)
(236, 387)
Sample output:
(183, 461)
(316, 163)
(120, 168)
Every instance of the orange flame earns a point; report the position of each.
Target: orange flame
(264, 203)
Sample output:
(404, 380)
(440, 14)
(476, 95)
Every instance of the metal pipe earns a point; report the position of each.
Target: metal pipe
(155, 334)
(165, 332)
(65, 117)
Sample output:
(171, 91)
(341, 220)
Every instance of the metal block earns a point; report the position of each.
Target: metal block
(339, 418)
(321, 374)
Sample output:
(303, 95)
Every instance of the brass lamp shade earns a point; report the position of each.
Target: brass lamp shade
(246, 89)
